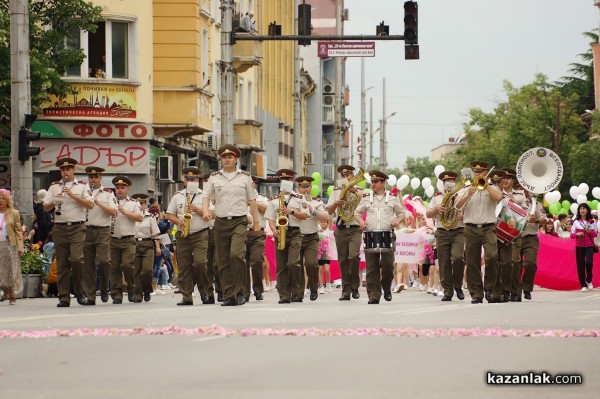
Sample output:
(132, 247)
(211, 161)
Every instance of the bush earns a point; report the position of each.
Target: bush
(32, 261)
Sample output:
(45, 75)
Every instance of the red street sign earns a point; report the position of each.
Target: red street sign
(346, 49)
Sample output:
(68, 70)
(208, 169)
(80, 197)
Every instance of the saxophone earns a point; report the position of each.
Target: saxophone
(281, 222)
(351, 199)
(187, 217)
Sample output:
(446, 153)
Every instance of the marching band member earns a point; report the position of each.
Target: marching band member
(309, 228)
(96, 250)
(347, 237)
(505, 251)
(185, 211)
(212, 272)
(384, 212)
(289, 210)
(70, 199)
(450, 242)
(488, 283)
(122, 243)
(147, 246)
(231, 189)
(479, 210)
(255, 244)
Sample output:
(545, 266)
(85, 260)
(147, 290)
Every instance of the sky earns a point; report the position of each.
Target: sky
(467, 49)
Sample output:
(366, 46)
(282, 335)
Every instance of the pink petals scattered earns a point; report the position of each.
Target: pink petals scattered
(306, 332)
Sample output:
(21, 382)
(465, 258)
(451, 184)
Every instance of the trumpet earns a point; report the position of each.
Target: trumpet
(480, 184)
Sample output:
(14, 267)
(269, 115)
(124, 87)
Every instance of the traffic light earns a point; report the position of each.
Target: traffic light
(26, 136)
(304, 23)
(274, 29)
(411, 14)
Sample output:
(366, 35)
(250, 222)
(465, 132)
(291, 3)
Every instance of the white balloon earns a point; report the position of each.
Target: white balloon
(596, 192)
(574, 192)
(581, 199)
(391, 180)
(429, 191)
(426, 183)
(549, 197)
(440, 185)
(557, 196)
(573, 208)
(438, 169)
(584, 188)
(415, 183)
(403, 182)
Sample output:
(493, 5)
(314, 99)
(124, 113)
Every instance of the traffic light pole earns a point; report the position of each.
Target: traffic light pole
(261, 38)
(20, 92)
(227, 73)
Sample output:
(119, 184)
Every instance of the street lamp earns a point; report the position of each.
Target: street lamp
(383, 143)
(363, 124)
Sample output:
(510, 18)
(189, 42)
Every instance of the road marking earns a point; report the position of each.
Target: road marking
(58, 316)
(426, 310)
(209, 338)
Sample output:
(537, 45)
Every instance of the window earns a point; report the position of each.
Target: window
(108, 51)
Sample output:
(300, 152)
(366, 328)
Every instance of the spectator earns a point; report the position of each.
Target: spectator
(246, 23)
(584, 231)
(548, 228)
(44, 220)
(11, 248)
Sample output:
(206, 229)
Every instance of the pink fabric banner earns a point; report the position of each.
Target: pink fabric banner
(557, 267)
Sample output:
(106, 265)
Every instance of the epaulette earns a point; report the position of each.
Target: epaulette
(79, 182)
(365, 195)
(316, 198)
(297, 195)
(438, 193)
(108, 190)
(273, 197)
(244, 172)
(55, 182)
(216, 172)
(337, 188)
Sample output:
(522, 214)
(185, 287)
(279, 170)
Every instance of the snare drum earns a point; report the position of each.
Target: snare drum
(512, 219)
(379, 240)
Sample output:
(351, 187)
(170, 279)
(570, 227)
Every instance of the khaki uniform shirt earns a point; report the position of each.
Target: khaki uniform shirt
(177, 207)
(96, 215)
(123, 225)
(70, 210)
(311, 225)
(231, 196)
(147, 228)
(517, 196)
(437, 200)
(480, 209)
(335, 195)
(381, 210)
(533, 228)
(261, 199)
(295, 202)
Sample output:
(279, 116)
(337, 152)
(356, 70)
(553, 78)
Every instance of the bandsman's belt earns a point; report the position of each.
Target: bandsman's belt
(196, 232)
(123, 237)
(480, 225)
(261, 229)
(144, 239)
(456, 228)
(310, 234)
(347, 226)
(70, 223)
(97, 227)
(231, 217)
(293, 228)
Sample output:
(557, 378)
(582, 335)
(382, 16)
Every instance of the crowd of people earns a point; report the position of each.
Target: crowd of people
(212, 236)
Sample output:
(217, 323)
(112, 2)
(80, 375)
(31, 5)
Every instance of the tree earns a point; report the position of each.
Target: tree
(581, 80)
(49, 57)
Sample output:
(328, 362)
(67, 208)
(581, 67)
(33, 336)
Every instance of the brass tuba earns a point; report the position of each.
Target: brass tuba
(281, 222)
(187, 217)
(448, 219)
(351, 199)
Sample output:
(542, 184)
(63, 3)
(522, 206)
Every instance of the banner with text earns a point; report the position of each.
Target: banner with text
(91, 130)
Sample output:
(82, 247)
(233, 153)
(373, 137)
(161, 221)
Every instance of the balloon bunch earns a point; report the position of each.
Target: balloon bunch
(578, 194)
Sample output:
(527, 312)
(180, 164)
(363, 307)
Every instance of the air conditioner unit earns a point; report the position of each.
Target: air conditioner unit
(328, 88)
(165, 168)
(328, 100)
(178, 165)
(213, 140)
(309, 158)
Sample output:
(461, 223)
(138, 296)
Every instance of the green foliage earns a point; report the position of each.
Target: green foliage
(32, 261)
(584, 161)
(49, 57)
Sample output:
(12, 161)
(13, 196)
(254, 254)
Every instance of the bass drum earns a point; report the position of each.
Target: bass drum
(512, 219)
(379, 241)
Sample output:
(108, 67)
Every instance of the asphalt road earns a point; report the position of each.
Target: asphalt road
(414, 346)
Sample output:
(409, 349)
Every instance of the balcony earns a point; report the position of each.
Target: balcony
(246, 54)
(247, 134)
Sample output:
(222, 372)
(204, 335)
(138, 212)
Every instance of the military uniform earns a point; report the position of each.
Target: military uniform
(255, 254)
(289, 271)
(191, 250)
(69, 233)
(347, 240)
(480, 221)
(96, 250)
(450, 244)
(231, 192)
(146, 245)
(123, 246)
(383, 210)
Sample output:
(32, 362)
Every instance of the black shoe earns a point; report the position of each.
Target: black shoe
(230, 302)
(137, 300)
(147, 297)
(177, 291)
(296, 299)
(89, 303)
(219, 296)
(314, 296)
(185, 303)
(63, 304)
(515, 298)
(488, 295)
(82, 300)
(240, 300)
(203, 297)
(373, 302)
(527, 295)
(117, 301)
(259, 297)
(460, 294)
(476, 300)
(104, 296)
(387, 296)
(284, 301)
(209, 301)
(355, 294)
(505, 296)
(130, 296)
(495, 300)
(447, 298)
(344, 298)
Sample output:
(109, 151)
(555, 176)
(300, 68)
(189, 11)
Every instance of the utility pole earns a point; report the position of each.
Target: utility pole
(20, 92)
(337, 130)
(382, 149)
(370, 132)
(227, 73)
(298, 148)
